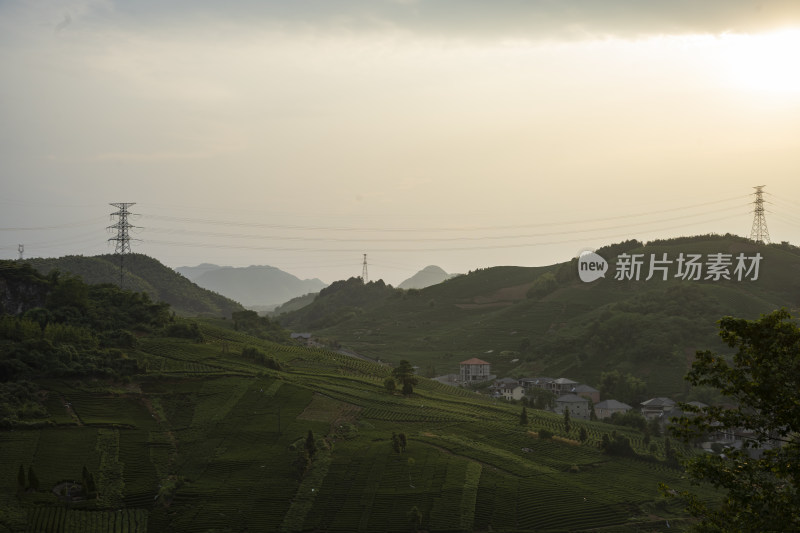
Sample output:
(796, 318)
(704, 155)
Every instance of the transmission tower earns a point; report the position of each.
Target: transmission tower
(759, 233)
(21, 250)
(364, 276)
(123, 238)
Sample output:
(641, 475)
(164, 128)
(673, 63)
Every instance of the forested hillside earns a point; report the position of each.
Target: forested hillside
(545, 321)
(143, 274)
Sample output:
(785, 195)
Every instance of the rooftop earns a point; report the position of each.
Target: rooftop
(474, 361)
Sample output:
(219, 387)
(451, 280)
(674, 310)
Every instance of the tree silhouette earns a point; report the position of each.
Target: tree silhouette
(404, 373)
(523, 417)
(311, 444)
(21, 478)
(33, 481)
(398, 449)
(414, 518)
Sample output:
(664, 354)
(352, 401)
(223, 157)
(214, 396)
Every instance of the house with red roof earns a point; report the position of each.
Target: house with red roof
(473, 370)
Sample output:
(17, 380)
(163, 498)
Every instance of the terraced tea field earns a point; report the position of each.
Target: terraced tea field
(205, 440)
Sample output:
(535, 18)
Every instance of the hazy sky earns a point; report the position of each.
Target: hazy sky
(459, 133)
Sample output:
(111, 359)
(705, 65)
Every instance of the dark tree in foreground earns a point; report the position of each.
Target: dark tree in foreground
(21, 478)
(311, 444)
(404, 373)
(523, 417)
(414, 518)
(567, 421)
(762, 377)
(33, 481)
(396, 446)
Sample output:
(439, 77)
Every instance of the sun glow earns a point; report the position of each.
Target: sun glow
(766, 62)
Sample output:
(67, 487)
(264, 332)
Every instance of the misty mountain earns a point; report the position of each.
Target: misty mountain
(430, 275)
(256, 285)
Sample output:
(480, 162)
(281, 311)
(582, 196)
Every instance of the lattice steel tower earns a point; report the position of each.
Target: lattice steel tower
(364, 276)
(123, 238)
(759, 233)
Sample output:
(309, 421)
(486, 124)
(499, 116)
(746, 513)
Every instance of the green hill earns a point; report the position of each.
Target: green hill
(210, 433)
(143, 274)
(545, 321)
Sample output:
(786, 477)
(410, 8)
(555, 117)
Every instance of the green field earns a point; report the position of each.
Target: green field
(205, 440)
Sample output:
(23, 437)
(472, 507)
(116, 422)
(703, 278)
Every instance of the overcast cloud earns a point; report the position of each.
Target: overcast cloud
(459, 133)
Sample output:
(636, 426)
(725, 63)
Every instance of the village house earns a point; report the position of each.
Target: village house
(304, 338)
(474, 370)
(578, 406)
(562, 386)
(539, 383)
(657, 408)
(606, 408)
(508, 388)
(590, 393)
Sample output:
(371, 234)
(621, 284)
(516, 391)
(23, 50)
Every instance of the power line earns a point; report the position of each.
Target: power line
(627, 234)
(167, 218)
(385, 239)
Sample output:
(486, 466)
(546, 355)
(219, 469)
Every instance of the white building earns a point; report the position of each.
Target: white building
(474, 370)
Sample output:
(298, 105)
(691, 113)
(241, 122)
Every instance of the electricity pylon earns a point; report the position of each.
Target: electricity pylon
(123, 238)
(759, 233)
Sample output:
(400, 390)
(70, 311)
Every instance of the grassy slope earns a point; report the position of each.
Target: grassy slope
(226, 426)
(649, 328)
(143, 274)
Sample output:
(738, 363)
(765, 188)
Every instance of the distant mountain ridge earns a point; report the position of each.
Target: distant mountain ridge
(430, 275)
(255, 285)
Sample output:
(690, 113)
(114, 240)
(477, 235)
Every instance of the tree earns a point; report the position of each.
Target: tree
(567, 422)
(302, 462)
(669, 453)
(404, 373)
(311, 444)
(623, 387)
(21, 478)
(33, 481)
(583, 435)
(403, 441)
(540, 398)
(396, 446)
(390, 385)
(414, 518)
(523, 417)
(761, 378)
